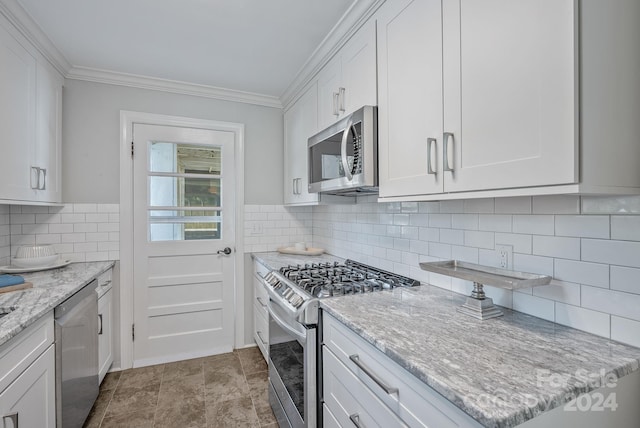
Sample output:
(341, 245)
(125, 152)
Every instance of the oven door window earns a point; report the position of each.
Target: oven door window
(287, 356)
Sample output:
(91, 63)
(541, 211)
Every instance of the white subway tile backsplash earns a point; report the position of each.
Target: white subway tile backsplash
(521, 243)
(556, 204)
(625, 228)
(533, 224)
(495, 222)
(625, 330)
(595, 274)
(611, 204)
(452, 206)
(625, 279)
(464, 221)
(624, 253)
(612, 302)
(71, 218)
(583, 226)
(85, 227)
(565, 292)
(583, 319)
(479, 205)
(533, 305)
(473, 238)
(451, 236)
(560, 247)
(515, 205)
(533, 264)
(440, 220)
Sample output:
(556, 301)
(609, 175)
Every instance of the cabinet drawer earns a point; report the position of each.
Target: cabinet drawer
(413, 401)
(260, 269)
(261, 331)
(260, 296)
(349, 400)
(328, 420)
(18, 353)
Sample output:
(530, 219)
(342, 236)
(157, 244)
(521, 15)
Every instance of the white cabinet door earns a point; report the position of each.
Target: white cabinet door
(48, 146)
(30, 400)
(348, 81)
(300, 123)
(17, 117)
(410, 95)
(105, 333)
(329, 81)
(359, 70)
(510, 93)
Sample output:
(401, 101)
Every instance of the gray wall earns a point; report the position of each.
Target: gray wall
(90, 138)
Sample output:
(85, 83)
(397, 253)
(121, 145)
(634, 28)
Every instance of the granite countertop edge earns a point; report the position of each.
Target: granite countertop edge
(50, 288)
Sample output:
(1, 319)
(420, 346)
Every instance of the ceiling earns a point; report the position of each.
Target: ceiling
(246, 45)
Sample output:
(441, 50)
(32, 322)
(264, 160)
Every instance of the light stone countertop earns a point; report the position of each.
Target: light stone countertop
(499, 371)
(50, 288)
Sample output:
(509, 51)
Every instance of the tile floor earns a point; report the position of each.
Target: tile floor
(227, 390)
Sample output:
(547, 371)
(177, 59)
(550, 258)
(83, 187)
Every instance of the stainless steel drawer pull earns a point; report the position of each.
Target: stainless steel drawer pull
(35, 172)
(259, 333)
(355, 418)
(336, 100)
(382, 384)
(430, 143)
(99, 324)
(341, 98)
(13, 417)
(259, 299)
(447, 136)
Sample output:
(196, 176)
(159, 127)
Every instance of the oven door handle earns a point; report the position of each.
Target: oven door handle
(282, 323)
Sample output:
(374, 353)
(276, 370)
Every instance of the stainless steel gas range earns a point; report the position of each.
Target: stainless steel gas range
(294, 363)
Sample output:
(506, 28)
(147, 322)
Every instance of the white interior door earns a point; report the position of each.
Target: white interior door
(184, 211)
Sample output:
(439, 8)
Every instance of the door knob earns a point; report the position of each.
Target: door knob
(226, 251)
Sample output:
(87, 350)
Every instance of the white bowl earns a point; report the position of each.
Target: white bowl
(35, 251)
(34, 262)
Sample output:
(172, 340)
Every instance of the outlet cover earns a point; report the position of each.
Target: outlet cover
(504, 256)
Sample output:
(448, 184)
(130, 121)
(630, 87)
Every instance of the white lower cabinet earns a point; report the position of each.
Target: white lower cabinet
(260, 314)
(27, 378)
(105, 333)
(363, 386)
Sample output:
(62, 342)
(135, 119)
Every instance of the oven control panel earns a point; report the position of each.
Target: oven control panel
(288, 293)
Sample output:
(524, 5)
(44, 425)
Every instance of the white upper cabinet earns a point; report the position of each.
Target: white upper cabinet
(476, 95)
(17, 117)
(410, 97)
(300, 123)
(48, 151)
(348, 81)
(30, 122)
(510, 93)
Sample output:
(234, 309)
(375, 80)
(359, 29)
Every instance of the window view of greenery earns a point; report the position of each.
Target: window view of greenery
(184, 192)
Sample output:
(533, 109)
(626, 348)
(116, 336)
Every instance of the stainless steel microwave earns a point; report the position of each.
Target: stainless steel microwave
(343, 159)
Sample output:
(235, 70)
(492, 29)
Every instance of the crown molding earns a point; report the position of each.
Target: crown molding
(357, 14)
(173, 86)
(23, 22)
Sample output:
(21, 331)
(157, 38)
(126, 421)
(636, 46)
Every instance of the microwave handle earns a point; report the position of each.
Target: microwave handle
(343, 150)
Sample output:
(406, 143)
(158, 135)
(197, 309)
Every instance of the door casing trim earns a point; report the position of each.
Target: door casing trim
(127, 119)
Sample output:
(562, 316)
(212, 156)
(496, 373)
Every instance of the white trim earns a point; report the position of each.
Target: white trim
(357, 14)
(172, 86)
(127, 119)
(23, 22)
(182, 356)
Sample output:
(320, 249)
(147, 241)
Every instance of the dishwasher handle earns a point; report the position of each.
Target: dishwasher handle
(67, 306)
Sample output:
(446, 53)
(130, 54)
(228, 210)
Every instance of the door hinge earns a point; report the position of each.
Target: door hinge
(133, 332)
(132, 149)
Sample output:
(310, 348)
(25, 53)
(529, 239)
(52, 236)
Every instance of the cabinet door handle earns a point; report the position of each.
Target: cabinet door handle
(299, 186)
(336, 97)
(447, 136)
(99, 324)
(382, 384)
(13, 417)
(44, 179)
(259, 299)
(430, 169)
(355, 418)
(259, 333)
(293, 183)
(36, 170)
(341, 99)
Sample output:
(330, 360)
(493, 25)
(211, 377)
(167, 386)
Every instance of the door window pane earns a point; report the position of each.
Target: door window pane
(184, 186)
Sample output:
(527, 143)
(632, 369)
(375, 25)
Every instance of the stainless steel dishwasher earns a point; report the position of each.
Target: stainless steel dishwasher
(76, 339)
